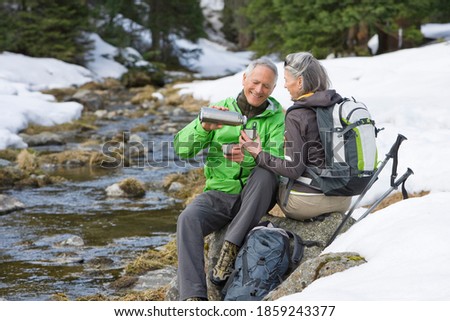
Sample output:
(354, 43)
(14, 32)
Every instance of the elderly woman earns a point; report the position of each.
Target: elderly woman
(308, 85)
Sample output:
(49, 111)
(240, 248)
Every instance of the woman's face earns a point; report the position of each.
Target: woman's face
(292, 84)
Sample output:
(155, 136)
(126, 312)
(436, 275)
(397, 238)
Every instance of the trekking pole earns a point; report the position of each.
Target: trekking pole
(391, 154)
(397, 183)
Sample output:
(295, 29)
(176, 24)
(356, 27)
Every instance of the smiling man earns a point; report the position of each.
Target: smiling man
(236, 193)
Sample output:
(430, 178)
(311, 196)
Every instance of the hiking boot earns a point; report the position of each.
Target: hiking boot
(224, 267)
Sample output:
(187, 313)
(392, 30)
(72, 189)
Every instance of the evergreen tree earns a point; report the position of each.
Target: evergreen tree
(109, 16)
(166, 19)
(235, 24)
(45, 28)
(264, 23)
(440, 11)
(342, 27)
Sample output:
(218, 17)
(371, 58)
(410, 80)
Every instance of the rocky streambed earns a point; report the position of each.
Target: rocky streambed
(68, 227)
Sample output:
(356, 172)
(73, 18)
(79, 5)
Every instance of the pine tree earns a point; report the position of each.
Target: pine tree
(235, 24)
(265, 26)
(166, 19)
(45, 28)
(110, 15)
(342, 27)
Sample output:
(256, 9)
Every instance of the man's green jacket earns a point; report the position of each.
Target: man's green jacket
(222, 174)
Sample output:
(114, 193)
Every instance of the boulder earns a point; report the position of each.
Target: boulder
(129, 187)
(319, 230)
(42, 139)
(313, 269)
(89, 99)
(9, 204)
(153, 280)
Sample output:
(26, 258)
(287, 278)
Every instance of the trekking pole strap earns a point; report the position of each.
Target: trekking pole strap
(402, 181)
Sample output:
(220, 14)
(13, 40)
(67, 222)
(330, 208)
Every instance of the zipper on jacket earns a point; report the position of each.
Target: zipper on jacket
(240, 178)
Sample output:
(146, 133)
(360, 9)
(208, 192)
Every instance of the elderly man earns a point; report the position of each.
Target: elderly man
(236, 192)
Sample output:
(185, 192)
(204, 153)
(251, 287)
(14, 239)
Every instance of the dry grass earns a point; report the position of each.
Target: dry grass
(143, 94)
(70, 156)
(185, 101)
(86, 122)
(149, 295)
(27, 161)
(98, 159)
(60, 93)
(194, 182)
(132, 187)
(124, 282)
(9, 154)
(9, 176)
(94, 297)
(397, 197)
(141, 128)
(75, 158)
(153, 260)
(59, 297)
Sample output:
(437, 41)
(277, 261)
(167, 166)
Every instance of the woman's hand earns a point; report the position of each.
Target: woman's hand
(252, 146)
(213, 126)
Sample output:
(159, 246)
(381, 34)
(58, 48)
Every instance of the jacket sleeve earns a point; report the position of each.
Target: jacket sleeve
(274, 146)
(192, 139)
(292, 165)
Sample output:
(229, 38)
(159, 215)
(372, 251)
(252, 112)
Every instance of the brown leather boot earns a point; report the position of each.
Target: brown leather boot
(224, 266)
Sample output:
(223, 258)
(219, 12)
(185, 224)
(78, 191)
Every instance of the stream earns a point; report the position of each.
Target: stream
(72, 238)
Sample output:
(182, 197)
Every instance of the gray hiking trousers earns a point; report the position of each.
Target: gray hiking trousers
(210, 212)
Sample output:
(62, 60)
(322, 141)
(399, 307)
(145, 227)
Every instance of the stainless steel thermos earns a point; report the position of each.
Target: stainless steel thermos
(225, 117)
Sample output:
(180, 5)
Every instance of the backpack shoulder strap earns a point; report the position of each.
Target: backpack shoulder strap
(229, 282)
(299, 246)
(298, 250)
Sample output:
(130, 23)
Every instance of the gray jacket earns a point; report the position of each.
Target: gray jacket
(302, 146)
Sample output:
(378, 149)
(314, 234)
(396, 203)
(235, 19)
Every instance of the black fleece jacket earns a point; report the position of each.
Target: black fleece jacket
(302, 146)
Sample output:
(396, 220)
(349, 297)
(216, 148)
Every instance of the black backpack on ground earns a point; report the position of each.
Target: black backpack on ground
(262, 262)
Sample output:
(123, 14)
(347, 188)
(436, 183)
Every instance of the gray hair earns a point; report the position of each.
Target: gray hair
(303, 64)
(262, 62)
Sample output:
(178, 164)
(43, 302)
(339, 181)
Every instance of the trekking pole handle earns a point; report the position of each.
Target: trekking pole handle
(394, 149)
(398, 182)
(403, 178)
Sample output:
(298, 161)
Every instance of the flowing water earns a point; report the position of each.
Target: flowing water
(74, 239)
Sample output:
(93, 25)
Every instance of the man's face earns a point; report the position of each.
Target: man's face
(259, 85)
